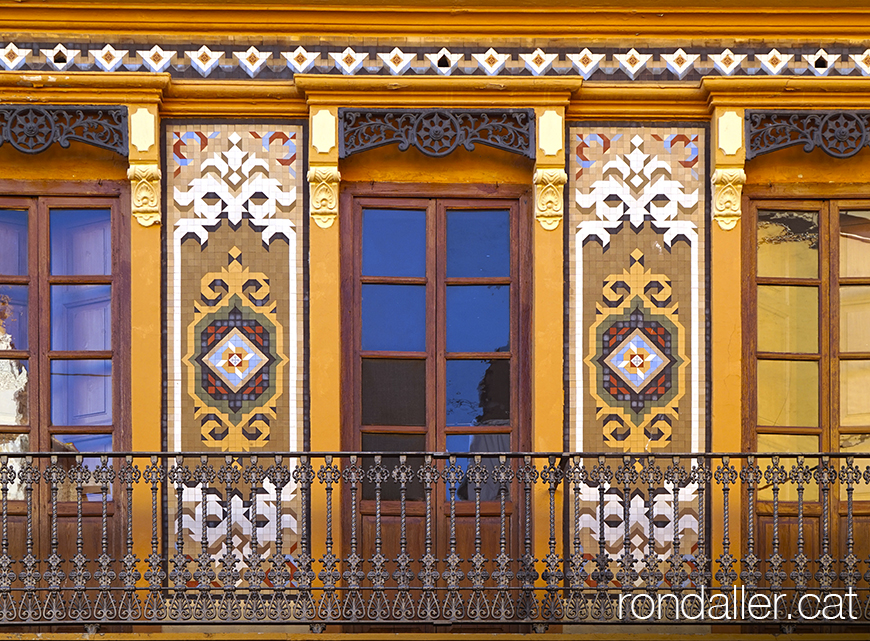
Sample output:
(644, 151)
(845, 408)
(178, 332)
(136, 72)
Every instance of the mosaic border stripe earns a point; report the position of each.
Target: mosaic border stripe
(196, 60)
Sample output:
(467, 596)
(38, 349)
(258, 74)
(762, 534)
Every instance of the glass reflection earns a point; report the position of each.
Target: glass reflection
(81, 242)
(478, 318)
(81, 392)
(788, 319)
(81, 317)
(393, 391)
(478, 392)
(13, 242)
(854, 399)
(88, 443)
(855, 243)
(474, 444)
(478, 243)
(10, 443)
(394, 242)
(788, 393)
(855, 318)
(14, 392)
(13, 317)
(788, 244)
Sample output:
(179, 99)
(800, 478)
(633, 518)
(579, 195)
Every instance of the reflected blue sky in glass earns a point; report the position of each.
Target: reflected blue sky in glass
(81, 392)
(13, 314)
(478, 243)
(478, 392)
(394, 242)
(472, 443)
(478, 318)
(394, 318)
(81, 317)
(13, 242)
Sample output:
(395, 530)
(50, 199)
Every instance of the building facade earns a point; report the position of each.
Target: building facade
(471, 318)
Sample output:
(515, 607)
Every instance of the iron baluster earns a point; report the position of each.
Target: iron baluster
(750, 474)
(228, 608)
(29, 609)
(577, 609)
(378, 609)
(129, 608)
(329, 608)
(527, 605)
(775, 475)
(104, 605)
(726, 476)
(626, 474)
(7, 575)
(54, 608)
(204, 607)
(255, 607)
(502, 606)
(428, 608)
(851, 476)
(403, 607)
(700, 574)
(651, 475)
(478, 606)
(305, 609)
(155, 605)
(826, 475)
(551, 608)
(676, 575)
(602, 606)
(180, 607)
(353, 609)
(800, 475)
(279, 606)
(453, 608)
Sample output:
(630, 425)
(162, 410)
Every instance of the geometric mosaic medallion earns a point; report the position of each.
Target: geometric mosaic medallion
(635, 359)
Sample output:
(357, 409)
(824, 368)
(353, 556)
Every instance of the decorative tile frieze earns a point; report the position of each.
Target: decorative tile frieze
(32, 129)
(284, 58)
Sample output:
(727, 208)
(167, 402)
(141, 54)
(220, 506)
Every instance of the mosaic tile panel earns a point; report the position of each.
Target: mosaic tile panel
(637, 315)
(282, 58)
(234, 319)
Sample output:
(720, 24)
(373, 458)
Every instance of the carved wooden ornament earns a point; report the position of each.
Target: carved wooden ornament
(727, 191)
(323, 184)
(145, 196)
(549, 198)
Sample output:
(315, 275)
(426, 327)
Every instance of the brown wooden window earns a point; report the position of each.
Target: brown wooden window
(807, 326)
(64, 323)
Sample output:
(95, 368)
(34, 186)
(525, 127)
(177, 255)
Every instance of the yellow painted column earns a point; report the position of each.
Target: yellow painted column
(727, 338)
(324, 312)
(548, 396)
(145, 307)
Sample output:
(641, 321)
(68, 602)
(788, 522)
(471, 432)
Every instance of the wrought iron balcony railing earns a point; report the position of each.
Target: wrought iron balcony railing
(524, 539)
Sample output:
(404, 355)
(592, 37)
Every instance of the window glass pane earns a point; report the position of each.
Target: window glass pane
(788, 443)
(478, 392)
(394, 242)
(479, 443)
(394, 318)
(788, 393)
(788, 244)
(89, 443)
(393, 391)
(854, 392)
(81, 317)
(855, 243)
(13, 242)
(788, 319)
(81, 242)
(14, 392)
(478, 318)
(478, 243)
(856, 444)
(394, 443)
(81, 392)
(855, 318)
(13, 317)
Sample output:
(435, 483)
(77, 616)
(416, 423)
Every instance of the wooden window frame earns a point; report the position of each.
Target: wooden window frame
(353, 196)
(38, 197)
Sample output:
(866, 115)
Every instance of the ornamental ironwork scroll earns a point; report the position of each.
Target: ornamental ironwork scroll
(840, 134)
(33, 129)
(436, 132)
